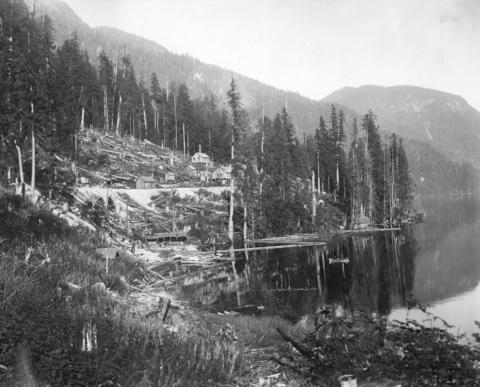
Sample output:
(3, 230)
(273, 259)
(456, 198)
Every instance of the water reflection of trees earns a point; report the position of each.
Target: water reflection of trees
(380, 273)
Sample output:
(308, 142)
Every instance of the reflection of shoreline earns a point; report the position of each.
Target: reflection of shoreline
(461, 311)
(450, 267)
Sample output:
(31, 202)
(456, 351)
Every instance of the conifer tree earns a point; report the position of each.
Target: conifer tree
(375, 168)
(106, 80)
(158, 107)
(404, 183)
(185, 112)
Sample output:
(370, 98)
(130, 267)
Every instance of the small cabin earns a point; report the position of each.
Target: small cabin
(191, 170)
(120, 182)
(361, 223)
(205, 176)
(169, 177)
(222, 175)
(146, 182)
(84, 180)
(204, 173)
(201, 158)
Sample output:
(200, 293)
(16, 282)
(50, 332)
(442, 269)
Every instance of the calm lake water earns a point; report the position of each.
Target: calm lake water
(436, 263)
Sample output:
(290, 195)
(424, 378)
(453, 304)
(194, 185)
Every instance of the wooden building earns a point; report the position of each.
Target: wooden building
(169, 177)
(222, 175)
(201, 158)
(146, 182)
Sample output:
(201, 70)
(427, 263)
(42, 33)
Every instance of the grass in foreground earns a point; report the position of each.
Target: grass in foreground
(41, 332)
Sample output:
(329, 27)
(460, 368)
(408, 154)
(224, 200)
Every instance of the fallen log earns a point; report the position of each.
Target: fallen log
(155, 274)
(296, 344)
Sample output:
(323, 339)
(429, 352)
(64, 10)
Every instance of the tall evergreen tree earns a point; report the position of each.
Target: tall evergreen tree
(375, 168)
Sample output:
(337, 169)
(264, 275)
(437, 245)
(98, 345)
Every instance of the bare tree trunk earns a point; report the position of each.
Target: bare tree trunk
(230, 223)
(164, 127)
(82, 122)
(33, 163)
(106, 124)
(144, 115)
(210, 144)
(115, 74)
(245, 229)
(119, 115)
(230, 218)
(337, 180)
(157, 124)
(184, 141)
(262, 152)
(32, 180)
(20, 163)
(318, 173)
(314, 202)
(175, 116)
(252, 215)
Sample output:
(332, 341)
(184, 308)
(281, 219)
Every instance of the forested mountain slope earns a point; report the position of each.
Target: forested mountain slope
(201, 79)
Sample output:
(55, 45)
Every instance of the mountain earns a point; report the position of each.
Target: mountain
(444, 121)
(433, 173)
(200, 78)
(441, 130)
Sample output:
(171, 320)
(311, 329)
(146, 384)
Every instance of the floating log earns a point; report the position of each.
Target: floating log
(299, 243)
(273, 247)
(296, 238)
(338, 260)
(370, 230)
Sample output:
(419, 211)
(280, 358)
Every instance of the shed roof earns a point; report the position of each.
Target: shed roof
(201, 154)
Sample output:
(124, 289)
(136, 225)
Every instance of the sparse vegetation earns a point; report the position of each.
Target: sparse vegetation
(372, 349)
(38, 254)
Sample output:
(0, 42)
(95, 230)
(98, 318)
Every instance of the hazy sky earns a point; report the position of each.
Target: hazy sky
(314, 46)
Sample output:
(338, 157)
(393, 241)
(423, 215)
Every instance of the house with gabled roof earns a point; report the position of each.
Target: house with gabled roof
(201, 158)
(222, 174)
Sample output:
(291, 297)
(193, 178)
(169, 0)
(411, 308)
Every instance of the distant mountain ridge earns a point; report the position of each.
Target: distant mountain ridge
(444, 121)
